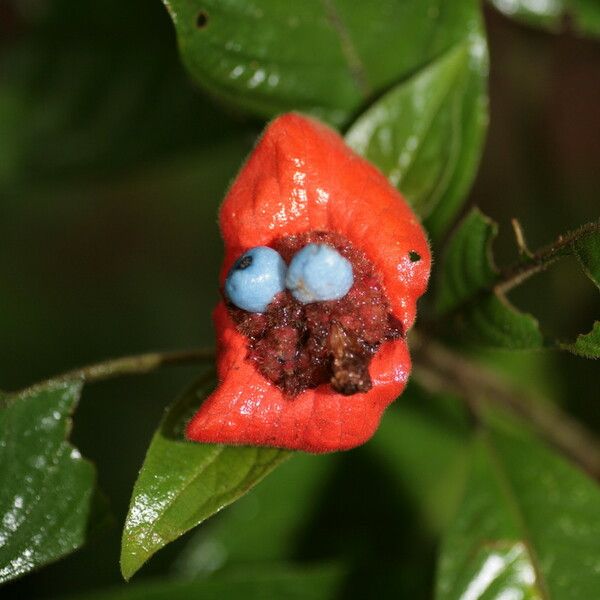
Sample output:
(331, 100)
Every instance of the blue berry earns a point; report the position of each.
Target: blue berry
(255, 279)
(319, 272)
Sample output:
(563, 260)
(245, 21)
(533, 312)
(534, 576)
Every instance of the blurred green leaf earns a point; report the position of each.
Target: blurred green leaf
(181, 483)
(323, 57)
(550, 14)
(586, 344)
(528, 526)
(93, 92)
(281, 505)
(426, 134)
(280, 582)
(465, 294)
(424, 441)
(47, 487)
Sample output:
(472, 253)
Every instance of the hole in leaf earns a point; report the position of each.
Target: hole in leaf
(414, 256)
(202, 19)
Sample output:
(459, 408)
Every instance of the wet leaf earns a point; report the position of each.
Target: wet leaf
(550, 14)
(47, 487)
(289, 583)
(426, 134)
(281, 505)
(181, 483)
(528, 526)
(323, 57)
(466, 296)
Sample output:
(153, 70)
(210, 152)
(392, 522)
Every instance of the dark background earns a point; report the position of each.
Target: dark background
(111, 169)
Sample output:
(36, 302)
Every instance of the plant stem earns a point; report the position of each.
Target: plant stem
(439, 369)
(136, 364)
(542, 258)
(436, 368)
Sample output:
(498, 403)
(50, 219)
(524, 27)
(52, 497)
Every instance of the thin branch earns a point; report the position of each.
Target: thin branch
(539, 260)
(438, 369)
(137, 364)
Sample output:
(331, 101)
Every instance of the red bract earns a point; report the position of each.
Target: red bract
(300, 178)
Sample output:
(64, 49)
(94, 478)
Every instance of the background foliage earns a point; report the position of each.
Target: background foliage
(112, 165)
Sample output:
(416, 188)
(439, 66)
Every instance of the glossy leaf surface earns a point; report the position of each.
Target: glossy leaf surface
(426, 134)
(323, 57)
(289, 583)
(550, 14)
(528, 526)
(182, 483)
(46, 486)
(466, 291)
(281, 505)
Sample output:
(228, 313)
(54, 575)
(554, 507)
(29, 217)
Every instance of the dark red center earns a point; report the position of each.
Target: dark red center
(299, 346)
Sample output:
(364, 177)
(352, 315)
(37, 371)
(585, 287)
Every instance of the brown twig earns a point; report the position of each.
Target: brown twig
(436, 368)
(439, 369)
(137, 364)
(542, 258)
(520, 238)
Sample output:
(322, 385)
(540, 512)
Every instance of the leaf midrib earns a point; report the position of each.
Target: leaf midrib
(515, 509)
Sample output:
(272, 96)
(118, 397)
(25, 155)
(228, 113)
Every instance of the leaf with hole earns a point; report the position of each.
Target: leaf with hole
(318, 56)
(181, 483)
(47, 487)
(528, 526)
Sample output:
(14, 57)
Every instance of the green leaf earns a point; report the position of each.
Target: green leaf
(281, 505)
(47, 487)
(320, 56)
(285, 582)
(587, 250)
(75, 100)
(426, 134)
(181, 483)
(550, 14)
(424, 440)
(466, 296)
(586, 344)
(468, 265)
(528, 527)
